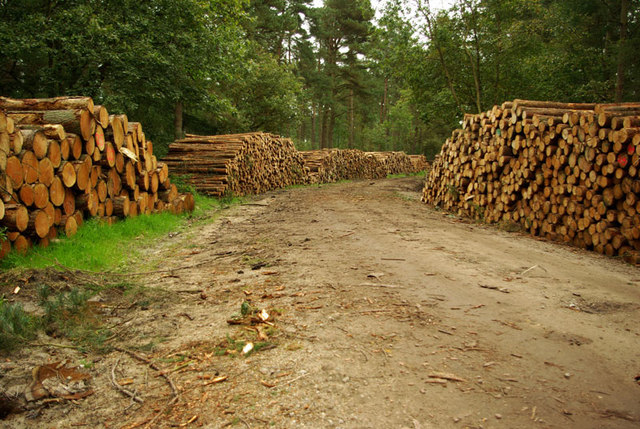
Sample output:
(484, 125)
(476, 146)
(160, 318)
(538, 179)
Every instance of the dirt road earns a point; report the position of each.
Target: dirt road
(388, 314)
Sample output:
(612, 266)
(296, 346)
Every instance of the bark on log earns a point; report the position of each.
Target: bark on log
(56, 103)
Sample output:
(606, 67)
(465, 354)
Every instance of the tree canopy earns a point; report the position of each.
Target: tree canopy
(335, 75)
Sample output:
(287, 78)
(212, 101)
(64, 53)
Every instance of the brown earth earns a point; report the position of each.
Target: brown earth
(385, 313)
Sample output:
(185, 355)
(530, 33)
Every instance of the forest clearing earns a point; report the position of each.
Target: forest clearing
(377, 318)
(319, 213)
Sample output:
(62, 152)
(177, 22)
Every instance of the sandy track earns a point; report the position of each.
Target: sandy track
(382, 299)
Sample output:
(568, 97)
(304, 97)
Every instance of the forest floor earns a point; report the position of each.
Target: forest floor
(383, 313)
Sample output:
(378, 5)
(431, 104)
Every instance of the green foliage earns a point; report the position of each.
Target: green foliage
(182, 183)
(16, 326)
(137, 57)
(267, 95)
(246, 309)
(67, 314)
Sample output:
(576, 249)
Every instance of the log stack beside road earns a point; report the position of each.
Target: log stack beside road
(395, 162)
(65, 159)
(419, 163)
(332, 165)
(237, 164)
(563, 171)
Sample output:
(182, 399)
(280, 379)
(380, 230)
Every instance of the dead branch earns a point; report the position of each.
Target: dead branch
(129, 393)
(134, 355)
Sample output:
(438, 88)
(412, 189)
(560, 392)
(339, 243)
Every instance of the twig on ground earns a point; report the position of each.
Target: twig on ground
(60, 346)
(527, 270)
(129, 393)
(174, 389)
(139, 273)
(161, 412)
(293, 380)
(380, 285)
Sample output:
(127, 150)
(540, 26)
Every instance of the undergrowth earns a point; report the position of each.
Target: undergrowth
(68, 314)
(64, 313)
(16, 325)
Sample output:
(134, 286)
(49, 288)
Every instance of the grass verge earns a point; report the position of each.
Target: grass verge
(401, 175)
(100, 247)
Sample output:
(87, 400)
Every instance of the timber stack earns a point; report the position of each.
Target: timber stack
(395, 162)
(563, 171)
(236, 164)
(419, 163)
(65, 159)
(332, 165)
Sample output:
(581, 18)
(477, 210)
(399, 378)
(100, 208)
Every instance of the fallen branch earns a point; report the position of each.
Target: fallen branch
(134, 355)
(60, 346)
(446, 376)
(293, 380)
(531, 268)
(499, 289)
(380, 285)
(132, 395)
(139, 273)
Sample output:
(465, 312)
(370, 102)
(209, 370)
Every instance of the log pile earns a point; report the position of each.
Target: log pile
(563, 171)
(237, 164)
(419, 163)
(394, 162)
(332, 165)
(65, 159)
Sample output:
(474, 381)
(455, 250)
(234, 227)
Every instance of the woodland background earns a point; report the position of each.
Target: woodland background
(337, 74)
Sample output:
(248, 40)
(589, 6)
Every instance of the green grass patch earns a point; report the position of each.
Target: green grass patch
(100, 247)
(401, 175)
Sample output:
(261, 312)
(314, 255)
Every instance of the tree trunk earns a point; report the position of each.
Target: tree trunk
(332, 123)
(302, 130)
(313, 126)
(351, 120)
(177, 121)
(324, 128)
(385, 104)
(624, 12)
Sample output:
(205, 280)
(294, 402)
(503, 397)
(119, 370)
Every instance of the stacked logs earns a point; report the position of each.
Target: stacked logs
(394, 162)
(65, 159)
(332, 165)
(419, 163)
(563, 171)
(236, 164)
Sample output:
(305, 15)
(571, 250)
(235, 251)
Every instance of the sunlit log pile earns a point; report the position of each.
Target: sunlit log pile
(332, 165)
(563, 171)
(237, 164)
(65, 159)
